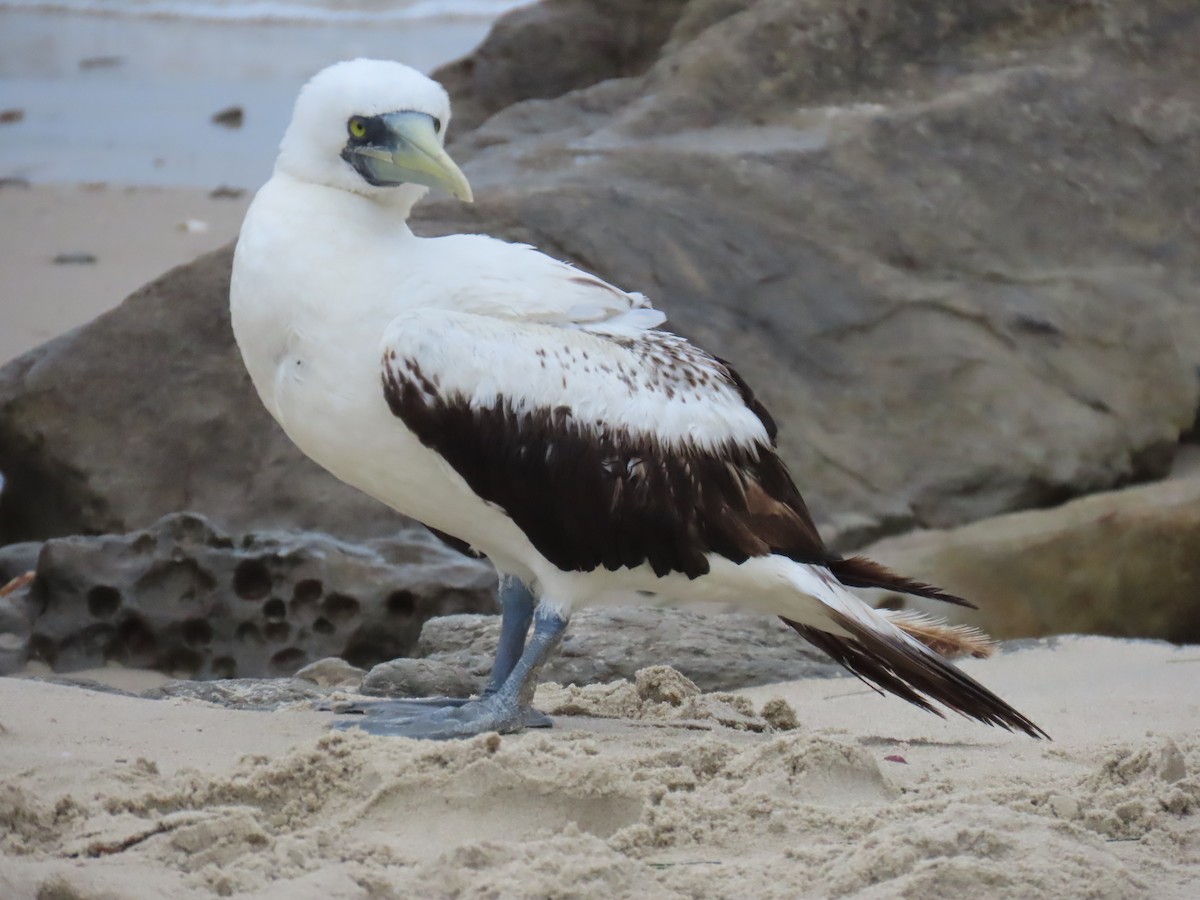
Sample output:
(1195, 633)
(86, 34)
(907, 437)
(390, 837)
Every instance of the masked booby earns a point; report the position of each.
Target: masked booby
(534, 411)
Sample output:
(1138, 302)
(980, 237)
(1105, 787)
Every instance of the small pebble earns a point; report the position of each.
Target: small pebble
(230, 117)
(101, 62)
(74, 259)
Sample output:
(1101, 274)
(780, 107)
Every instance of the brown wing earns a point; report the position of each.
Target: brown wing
(589, 497)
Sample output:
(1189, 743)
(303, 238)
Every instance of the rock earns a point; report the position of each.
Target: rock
(17, 559)
(229, 117)
(101, 62)
(1123, 563)
(884, 221)
(185, 598)
(715, 651)
(419, 678)
(242, 693)
(546, 49)
(949, 243)
(17, 613)
(74, 259)
(332, 672)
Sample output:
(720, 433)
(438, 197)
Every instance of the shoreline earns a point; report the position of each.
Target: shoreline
(131, 100)
(112, 153)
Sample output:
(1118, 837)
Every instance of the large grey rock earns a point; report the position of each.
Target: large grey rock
(718, 651)
(951, 261)
(1123, 563)
(952, 244)
(188, 599)
(546, 49)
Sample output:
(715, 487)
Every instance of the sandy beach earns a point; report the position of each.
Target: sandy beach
(113, 796)
(108, 240)
(112, 174)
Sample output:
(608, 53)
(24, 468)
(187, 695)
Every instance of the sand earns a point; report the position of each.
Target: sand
(133, 235)
(681, 796)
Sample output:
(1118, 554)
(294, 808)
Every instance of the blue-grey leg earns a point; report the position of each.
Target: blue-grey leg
(516, 614)
(505, 709)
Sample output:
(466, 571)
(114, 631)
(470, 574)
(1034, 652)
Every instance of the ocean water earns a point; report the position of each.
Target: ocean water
(371, 12)
(123, 91)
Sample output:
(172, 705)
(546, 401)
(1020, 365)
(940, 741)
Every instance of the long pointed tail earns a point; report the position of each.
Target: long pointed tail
(860, 572)
(892, 653)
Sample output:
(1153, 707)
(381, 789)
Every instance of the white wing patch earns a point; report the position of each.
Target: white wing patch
(651, 383)
(516, 281)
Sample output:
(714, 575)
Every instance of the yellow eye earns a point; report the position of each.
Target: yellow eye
(357, 127)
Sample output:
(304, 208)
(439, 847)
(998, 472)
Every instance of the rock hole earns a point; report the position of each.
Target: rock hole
(286, 662)
(306, 593)
(401, 603)
(224, 667)
(275, 610)
(97, 639)
(277, 632)
(368, 646)
(144, 543)
(251, 580)
(197, 632)
(182, 662)
(324, 626)
(44, 649)
(248, 633)
(135, 640)
(103, 601)
(340, 608)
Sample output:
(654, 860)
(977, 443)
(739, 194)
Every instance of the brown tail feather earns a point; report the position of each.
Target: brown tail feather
(913, 673)
(941, 637)
(860, 572)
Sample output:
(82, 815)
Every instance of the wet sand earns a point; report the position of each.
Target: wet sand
(133, 235)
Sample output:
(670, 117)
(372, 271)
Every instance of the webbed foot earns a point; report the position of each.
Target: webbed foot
(379, 712)
(406, 718)
(505, 707)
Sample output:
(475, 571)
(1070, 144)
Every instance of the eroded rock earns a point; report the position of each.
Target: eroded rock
(185, 598)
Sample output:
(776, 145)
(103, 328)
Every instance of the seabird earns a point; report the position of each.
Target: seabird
(535, 412)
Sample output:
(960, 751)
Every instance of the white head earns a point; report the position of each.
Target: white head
(375, 128)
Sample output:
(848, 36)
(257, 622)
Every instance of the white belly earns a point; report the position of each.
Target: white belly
(335, 412)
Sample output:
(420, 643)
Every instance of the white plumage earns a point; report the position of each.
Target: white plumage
(474, 384)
